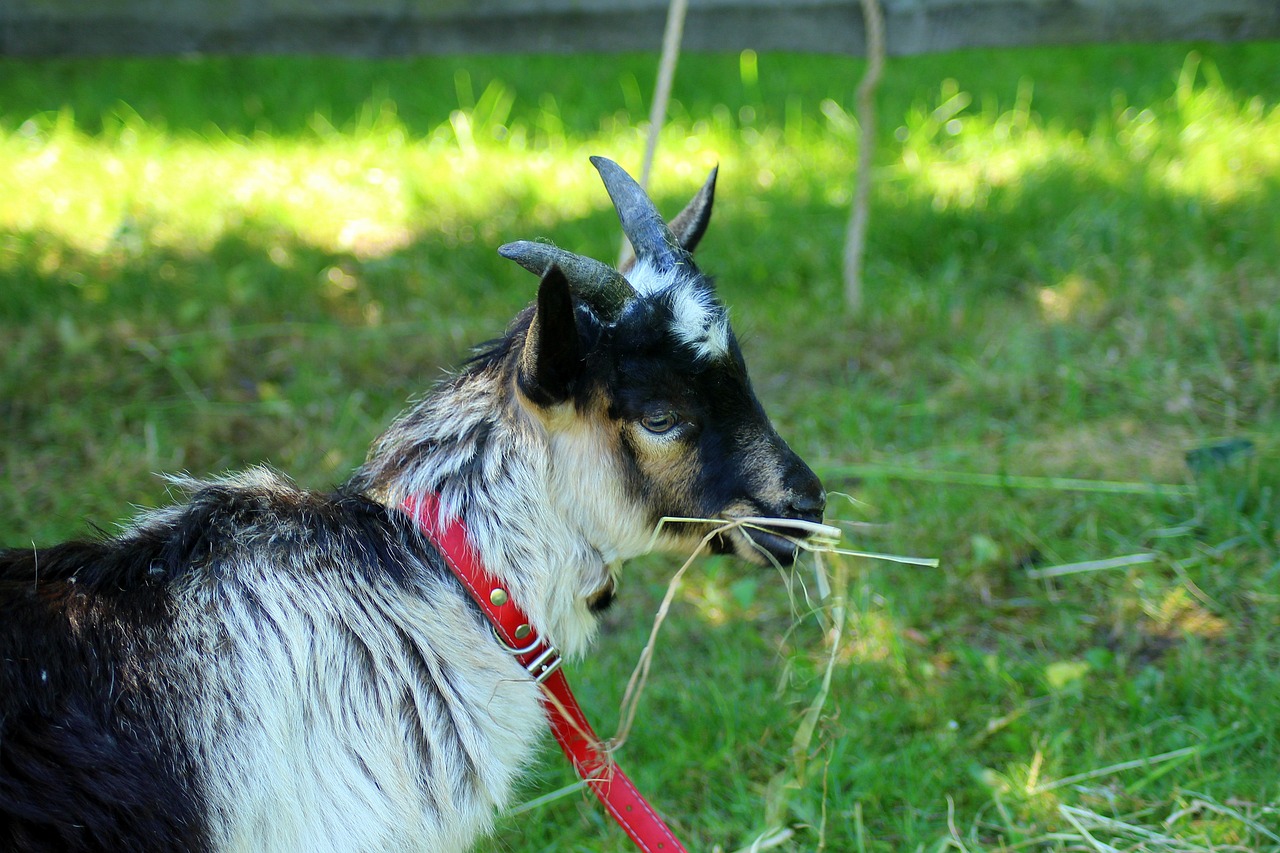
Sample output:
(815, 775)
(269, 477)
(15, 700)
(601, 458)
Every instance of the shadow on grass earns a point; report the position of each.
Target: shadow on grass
(1065, 265)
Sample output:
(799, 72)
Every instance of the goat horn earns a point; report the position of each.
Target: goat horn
(649, 235)
(688, 226)
(595, 282)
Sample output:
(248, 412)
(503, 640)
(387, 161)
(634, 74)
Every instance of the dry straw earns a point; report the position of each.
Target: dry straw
(824, 542)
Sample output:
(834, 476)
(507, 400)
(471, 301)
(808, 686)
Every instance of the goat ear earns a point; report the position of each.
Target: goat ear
(552, 357)
(691, 223)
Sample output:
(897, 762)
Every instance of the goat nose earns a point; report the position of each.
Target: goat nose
(808, 504)
(806, 499)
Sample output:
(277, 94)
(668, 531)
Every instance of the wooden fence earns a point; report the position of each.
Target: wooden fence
(35, 28)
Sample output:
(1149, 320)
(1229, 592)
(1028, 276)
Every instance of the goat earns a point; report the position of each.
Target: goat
(267, 668)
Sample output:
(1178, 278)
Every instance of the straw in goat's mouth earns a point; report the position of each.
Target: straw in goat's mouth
(812, 536)
(816, 538)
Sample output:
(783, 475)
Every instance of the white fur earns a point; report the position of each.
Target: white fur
(543, 507)
(698, 320)
(303, 744)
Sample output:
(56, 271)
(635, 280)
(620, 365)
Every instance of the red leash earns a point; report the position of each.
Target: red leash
(542, 660)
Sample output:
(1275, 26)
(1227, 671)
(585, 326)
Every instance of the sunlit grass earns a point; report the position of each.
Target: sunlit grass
(1202, 142)
(372, 187)
(1071, 282)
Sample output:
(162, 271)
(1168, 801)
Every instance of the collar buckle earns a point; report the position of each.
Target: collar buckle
(539, 664)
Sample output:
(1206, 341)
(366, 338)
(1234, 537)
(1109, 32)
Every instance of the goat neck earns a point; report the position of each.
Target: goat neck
(477, 445)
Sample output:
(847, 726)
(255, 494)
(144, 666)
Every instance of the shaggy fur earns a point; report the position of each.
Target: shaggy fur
(262, 668)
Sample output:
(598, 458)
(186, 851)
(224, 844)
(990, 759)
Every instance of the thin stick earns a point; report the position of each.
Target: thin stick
(1076, 817)
(640, 675)
(820, 538)
(1117, 768)
(928, 562)
(812, 528)
(856, 240)
(1069, 813)
(1006, 481)
(538, 802)
(775, 810)
(1092, 566)
(951, 826)
(1203, 802)
(769, 840)
(671, 38)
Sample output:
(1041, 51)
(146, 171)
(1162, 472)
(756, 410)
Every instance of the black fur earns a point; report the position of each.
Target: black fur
(88, 760)
(90, 757)
(552, 358)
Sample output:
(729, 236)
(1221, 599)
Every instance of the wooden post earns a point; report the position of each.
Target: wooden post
(671, 39)
(855, 245)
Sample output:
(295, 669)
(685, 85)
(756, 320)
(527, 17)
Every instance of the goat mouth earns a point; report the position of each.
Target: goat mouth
(781, 549)
(762, 543)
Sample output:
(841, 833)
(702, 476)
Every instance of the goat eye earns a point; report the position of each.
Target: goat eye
(660, 423)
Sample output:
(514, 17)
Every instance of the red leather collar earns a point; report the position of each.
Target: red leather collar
(517, 634)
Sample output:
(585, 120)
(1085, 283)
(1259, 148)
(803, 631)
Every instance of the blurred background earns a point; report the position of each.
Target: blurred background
(251, 236)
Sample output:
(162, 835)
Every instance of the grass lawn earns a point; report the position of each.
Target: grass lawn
(1065, 386)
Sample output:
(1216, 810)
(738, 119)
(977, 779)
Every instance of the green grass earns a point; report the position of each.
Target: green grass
(1072, 282)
